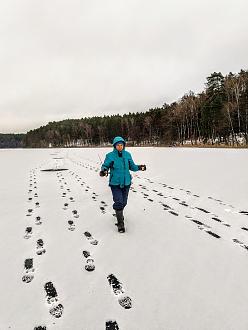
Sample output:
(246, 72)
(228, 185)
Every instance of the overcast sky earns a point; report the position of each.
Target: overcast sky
(70, 59)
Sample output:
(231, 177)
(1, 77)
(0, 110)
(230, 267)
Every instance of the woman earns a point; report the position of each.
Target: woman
(120, 162)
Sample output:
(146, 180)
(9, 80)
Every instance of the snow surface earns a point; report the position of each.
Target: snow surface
(178, 275)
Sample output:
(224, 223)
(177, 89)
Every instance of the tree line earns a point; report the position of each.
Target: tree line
(12, 140)
(216, 116)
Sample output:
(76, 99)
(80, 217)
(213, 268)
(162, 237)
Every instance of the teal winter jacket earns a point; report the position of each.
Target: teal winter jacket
(119, 166)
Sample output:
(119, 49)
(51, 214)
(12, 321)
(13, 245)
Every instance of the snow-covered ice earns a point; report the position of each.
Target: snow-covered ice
(181, 265)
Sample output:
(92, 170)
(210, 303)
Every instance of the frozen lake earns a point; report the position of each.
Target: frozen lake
(181, 265)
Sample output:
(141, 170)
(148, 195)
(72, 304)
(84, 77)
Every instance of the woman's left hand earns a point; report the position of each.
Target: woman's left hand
(142, 167)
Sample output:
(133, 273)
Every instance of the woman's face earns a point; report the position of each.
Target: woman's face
(119, 146)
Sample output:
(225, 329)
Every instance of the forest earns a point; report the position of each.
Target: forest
(12, 140)
(218, 116)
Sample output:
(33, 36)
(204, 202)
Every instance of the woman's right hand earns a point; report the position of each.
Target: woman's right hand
(103, 173)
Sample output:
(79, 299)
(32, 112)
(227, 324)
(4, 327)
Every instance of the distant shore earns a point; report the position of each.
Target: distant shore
(203, 146)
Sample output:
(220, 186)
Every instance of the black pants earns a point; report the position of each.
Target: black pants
(120, 196)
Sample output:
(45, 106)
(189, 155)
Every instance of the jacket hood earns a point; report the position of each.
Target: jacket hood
(118, 139)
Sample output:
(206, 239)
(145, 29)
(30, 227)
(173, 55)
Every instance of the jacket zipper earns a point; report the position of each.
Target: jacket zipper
(124, 169)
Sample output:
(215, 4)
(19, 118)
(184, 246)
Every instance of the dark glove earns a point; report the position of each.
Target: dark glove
(103, 173)
(142, 167)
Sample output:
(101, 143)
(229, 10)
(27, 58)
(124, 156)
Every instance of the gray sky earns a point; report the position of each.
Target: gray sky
(70, 59)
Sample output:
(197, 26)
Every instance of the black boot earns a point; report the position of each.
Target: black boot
(120, 221)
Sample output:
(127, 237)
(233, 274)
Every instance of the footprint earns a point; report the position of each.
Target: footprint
(212, 234)
(102, 208)
(40, 247)
(166, 207)
(75, 214)
(235, 240)
(112, 325)
(28, 232)
(71, 225)
(216, 219)
(38, 220)
(52, 299)
(203, 210)
(91, 239)
(174, 213)
(28, 275)
(89, 261)
(200, 224)
(65, 206)
(124, 300)
(244, 212)
(29, 212)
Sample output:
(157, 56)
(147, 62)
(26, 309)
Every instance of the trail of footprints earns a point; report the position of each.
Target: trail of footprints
(29, 270)
(65, 191)
(200, 225)
(89, 265)
(103, 205)
(55, 308)
(117, 288)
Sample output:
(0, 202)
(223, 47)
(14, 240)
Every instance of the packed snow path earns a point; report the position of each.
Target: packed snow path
(182, 263)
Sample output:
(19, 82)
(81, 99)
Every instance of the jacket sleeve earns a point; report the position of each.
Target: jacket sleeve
(107, 163)
(132, 166)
